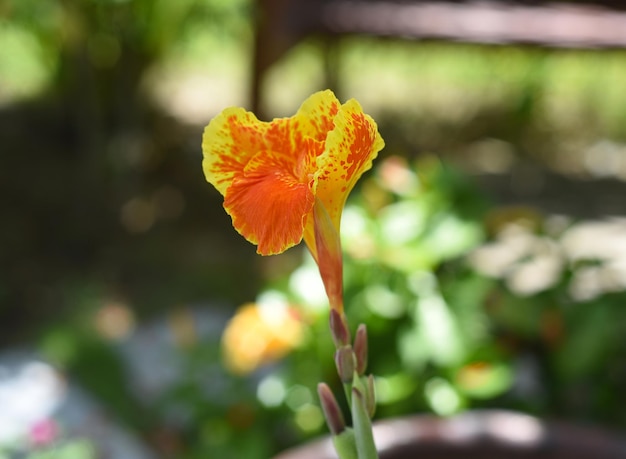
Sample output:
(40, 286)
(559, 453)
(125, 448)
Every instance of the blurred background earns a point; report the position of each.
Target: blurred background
(486, 250)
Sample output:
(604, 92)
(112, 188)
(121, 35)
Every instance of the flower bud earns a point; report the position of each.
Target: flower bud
(360, 349)
(346, 363)
(339, 329)
(370, 399)
(332, 412)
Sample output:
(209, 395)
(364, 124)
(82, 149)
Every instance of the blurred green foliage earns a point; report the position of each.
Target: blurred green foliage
(445, 337)
(106, 29)
(74, 449)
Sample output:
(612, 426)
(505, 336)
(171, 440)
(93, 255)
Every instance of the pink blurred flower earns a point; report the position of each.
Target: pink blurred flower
(43, 432)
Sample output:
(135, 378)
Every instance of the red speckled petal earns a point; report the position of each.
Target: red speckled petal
(349, 151)
(228, 143)
(318, 114)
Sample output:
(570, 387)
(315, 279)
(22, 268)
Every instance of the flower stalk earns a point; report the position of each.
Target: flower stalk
(363, 435)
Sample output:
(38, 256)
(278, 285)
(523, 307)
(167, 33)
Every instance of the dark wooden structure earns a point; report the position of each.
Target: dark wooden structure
(572, 24)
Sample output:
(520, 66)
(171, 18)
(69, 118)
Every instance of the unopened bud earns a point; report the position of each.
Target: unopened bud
(370, 398)
(346, 363)
(360, 349)
(339, 329)
(332, 412)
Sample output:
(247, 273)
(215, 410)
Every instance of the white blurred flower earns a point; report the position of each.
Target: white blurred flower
(29, 394)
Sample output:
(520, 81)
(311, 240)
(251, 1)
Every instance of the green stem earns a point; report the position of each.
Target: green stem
(364, 436)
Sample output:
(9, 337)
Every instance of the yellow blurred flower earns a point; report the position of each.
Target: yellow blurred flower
(258, 335)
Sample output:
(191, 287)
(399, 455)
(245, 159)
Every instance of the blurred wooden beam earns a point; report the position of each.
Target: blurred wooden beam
(574, 25)
(563, 24)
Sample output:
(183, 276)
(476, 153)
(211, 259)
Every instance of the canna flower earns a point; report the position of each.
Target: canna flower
(288, 179)
(284, 181)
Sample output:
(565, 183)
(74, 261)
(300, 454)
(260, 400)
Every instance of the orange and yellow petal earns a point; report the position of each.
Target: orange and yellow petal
(318, 114)
(268, 204)
(291, 136)
(265, 172)
(235, 135)
(349, 151)
(229, 141)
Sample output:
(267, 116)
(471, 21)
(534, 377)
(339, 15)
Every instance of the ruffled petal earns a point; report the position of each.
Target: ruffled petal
(268, 202)
(265, 172)
(349, 151)
(228, 143)
(318, 114)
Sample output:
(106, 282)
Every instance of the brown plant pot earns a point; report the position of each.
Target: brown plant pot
(479, 435)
